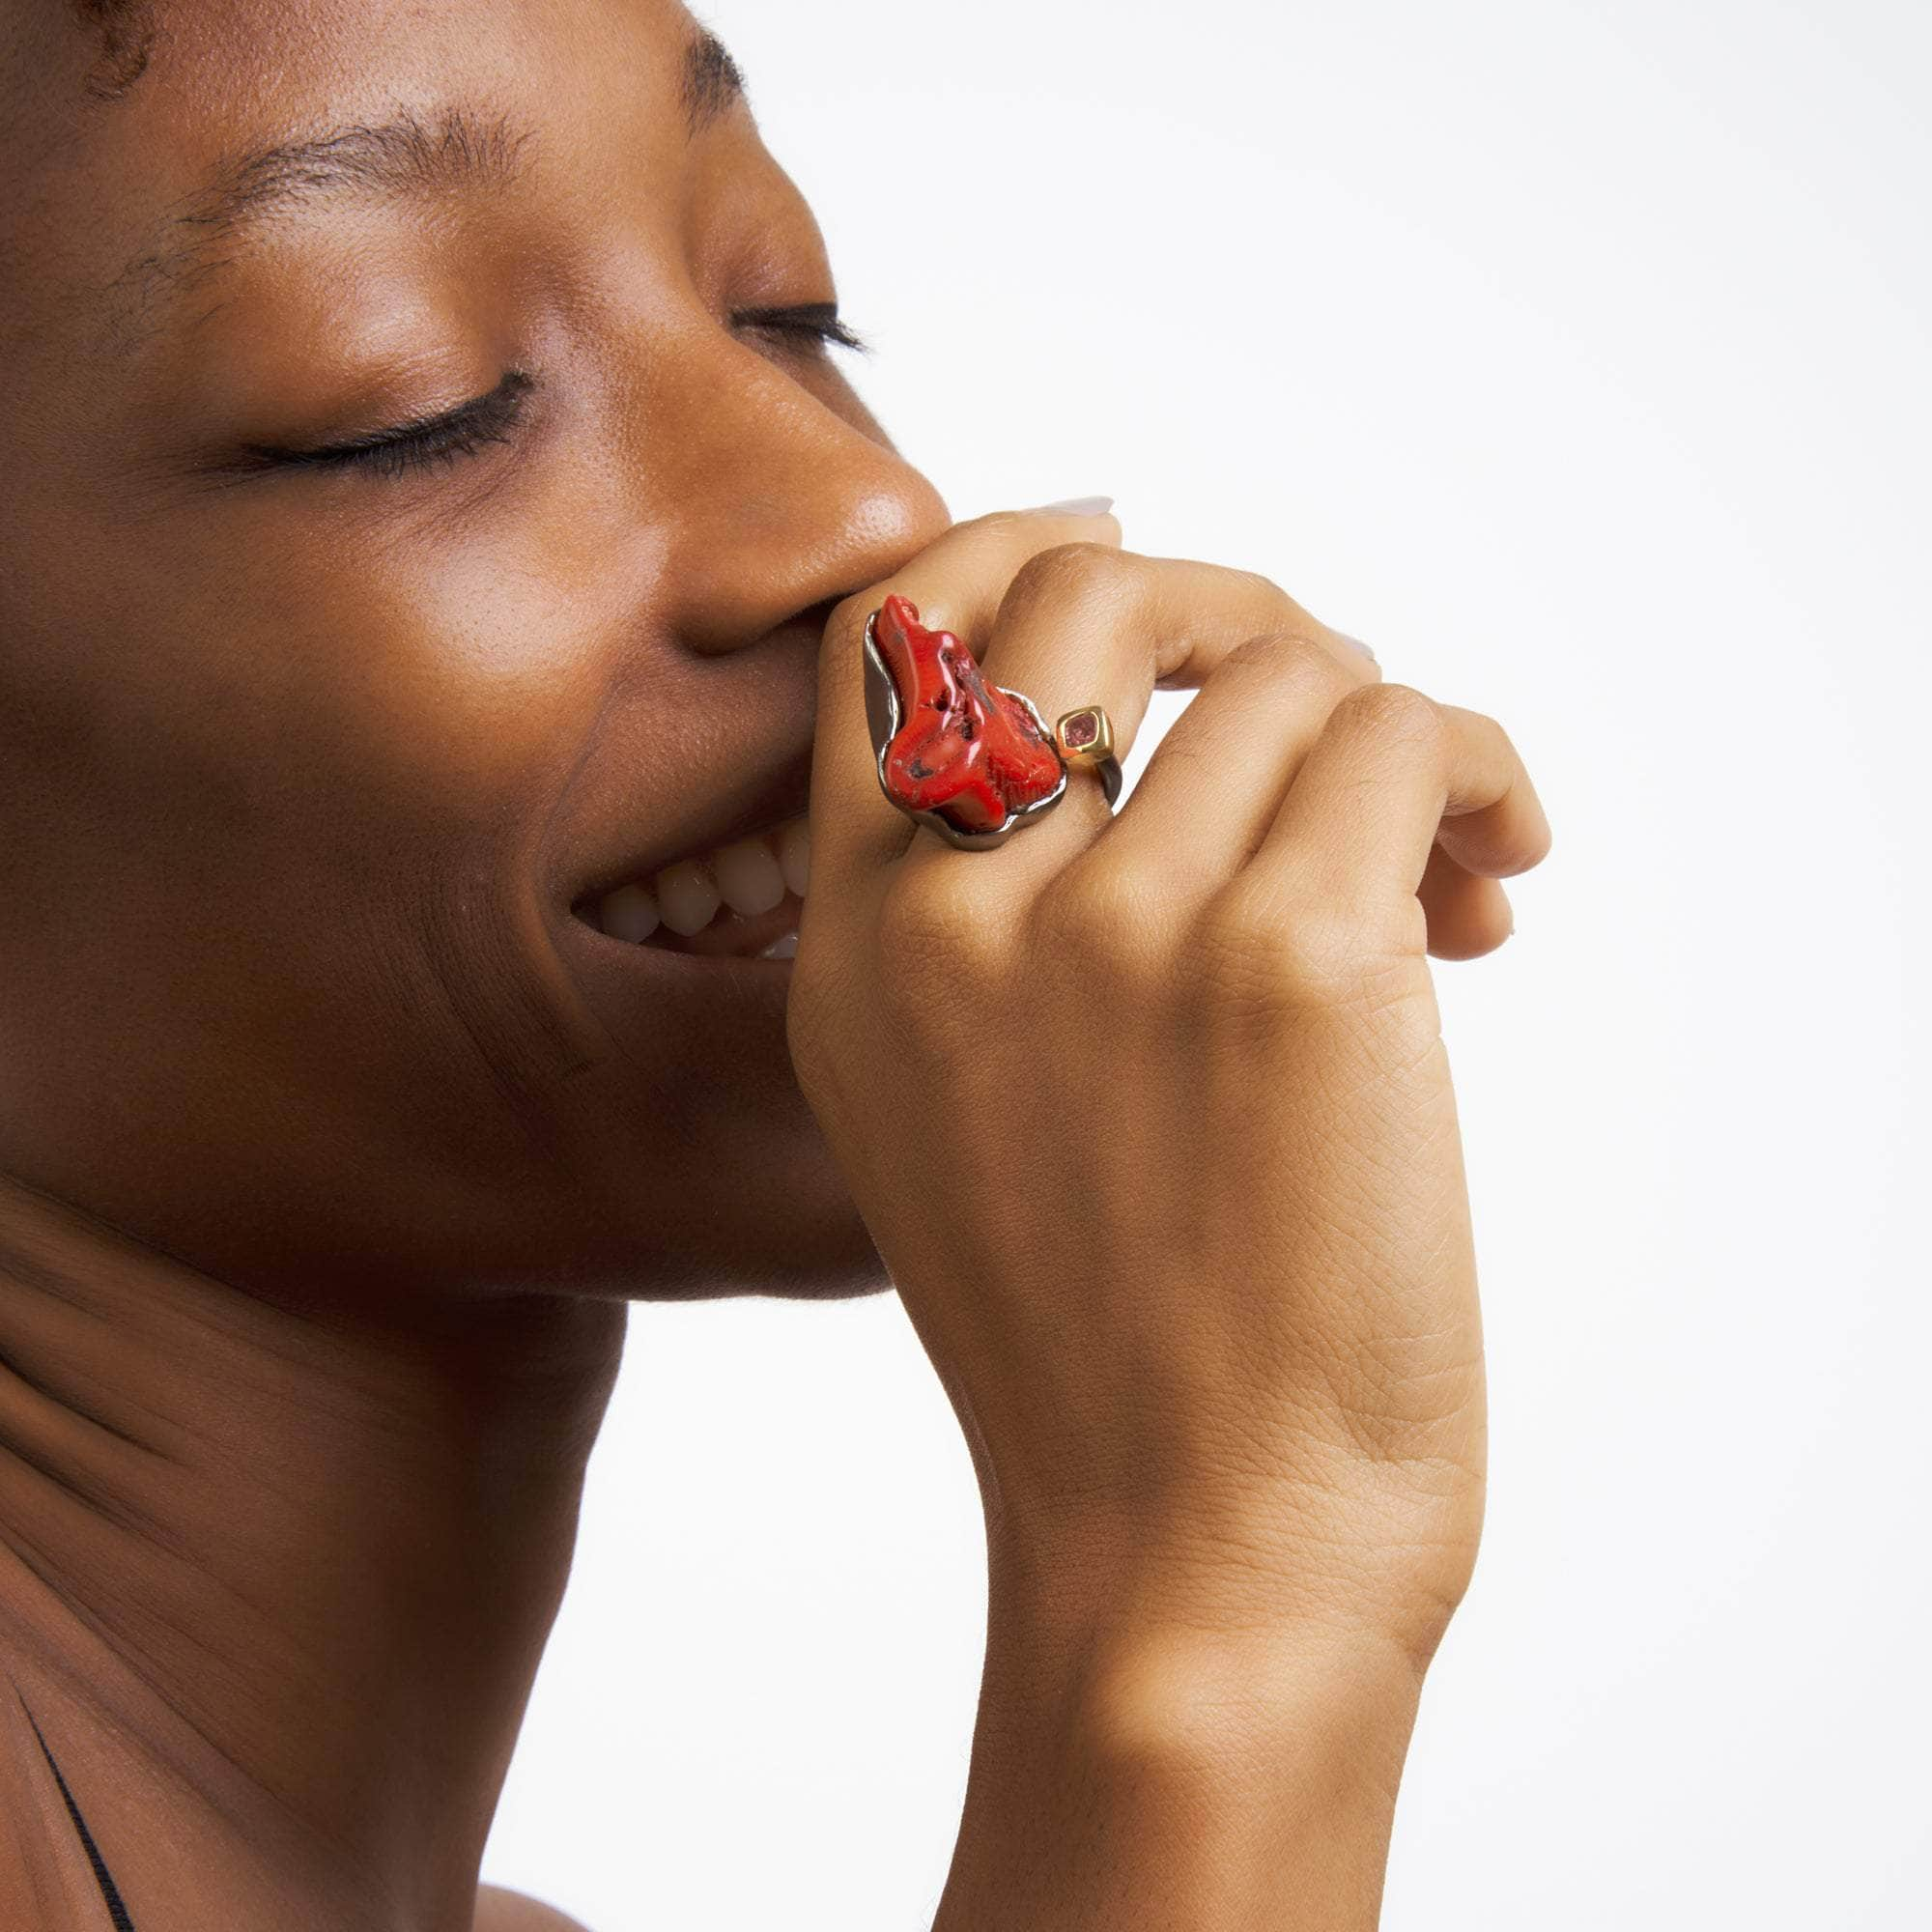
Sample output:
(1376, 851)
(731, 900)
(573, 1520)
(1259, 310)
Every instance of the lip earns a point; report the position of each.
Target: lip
(623, 820)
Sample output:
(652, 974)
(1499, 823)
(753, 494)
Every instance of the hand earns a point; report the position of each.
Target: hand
(1148, 1114)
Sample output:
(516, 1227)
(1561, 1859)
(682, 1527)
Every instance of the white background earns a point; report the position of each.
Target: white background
(1577, 356)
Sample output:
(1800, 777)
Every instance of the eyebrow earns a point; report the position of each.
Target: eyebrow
(406, 158)
(713, 81)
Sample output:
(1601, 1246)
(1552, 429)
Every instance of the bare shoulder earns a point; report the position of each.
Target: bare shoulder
(501, 1911)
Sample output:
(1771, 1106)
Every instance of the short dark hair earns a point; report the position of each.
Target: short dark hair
(126, 30)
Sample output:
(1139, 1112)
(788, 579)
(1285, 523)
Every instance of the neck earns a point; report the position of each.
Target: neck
(274, 1583)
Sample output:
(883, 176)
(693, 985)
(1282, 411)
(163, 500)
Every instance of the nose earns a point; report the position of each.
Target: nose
(788, 497)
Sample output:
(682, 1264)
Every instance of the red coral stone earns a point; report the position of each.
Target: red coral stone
(964, 748)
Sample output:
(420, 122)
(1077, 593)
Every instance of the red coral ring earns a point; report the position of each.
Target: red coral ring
(973, 761)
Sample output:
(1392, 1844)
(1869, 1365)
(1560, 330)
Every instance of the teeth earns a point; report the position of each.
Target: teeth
(687, 896)
(794, 837)
(748, 877)
(630, 913)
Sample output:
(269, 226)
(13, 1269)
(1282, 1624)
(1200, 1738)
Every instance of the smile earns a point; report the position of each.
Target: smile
(741, 900)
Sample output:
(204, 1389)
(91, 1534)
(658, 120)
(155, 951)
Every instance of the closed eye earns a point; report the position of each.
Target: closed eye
(421, 443)
(427, 443)
(817, 321)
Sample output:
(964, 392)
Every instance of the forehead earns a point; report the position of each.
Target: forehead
(241, 112)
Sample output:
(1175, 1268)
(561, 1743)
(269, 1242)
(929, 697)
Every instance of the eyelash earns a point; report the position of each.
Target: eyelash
(424, 444)
(817, 321)
(441, 440)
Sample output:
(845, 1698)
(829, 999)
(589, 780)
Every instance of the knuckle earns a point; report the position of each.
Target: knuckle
(1280, 951)
(1265, 587)
(932, 916)
(1100, 915)
(1493, 728)
(1289, 658)
(1397, 714)
(1002, 528)
(1495, 741)
(1071, 573)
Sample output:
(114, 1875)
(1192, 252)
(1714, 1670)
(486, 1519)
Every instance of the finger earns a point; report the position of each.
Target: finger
(1084, 624)
(957, 584)
(1467, 915)
(1498, 837)
(1212, 788)
(1391, 771)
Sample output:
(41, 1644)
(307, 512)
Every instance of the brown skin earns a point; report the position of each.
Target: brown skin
(1216, 1353)
(305, 758)
(331, 1142)
(300, 771)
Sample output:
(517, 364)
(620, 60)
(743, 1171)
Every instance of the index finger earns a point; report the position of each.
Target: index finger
(957, 584)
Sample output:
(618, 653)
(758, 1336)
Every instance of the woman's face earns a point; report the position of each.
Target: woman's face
(312, 755)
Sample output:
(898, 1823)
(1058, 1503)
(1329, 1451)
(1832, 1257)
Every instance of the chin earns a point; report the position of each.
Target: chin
(743, 1198)
(696, 1158)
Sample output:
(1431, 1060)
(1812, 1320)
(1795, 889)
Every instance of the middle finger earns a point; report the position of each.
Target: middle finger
(1084, 623)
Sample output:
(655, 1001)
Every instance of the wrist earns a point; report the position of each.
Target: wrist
(1348, 1573)
(1139, 1773)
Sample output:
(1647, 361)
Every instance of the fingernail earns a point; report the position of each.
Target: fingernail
(1357, 644)
(1075, 506)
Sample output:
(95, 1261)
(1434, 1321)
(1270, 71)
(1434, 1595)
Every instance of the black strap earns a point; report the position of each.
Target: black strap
(117, 1913)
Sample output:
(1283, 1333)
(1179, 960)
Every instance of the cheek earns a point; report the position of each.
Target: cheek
(441, 687)
(271, 897)
(301, 737)
(330, 681)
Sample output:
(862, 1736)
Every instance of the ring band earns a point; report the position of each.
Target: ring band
(971, 761)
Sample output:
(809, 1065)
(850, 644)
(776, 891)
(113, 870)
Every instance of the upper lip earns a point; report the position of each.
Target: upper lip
(782, 795)
(750, 772)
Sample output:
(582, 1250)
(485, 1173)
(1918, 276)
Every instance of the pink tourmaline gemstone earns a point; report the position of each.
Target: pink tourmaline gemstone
(1081, 729)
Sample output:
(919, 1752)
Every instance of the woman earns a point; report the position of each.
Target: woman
(438, 549)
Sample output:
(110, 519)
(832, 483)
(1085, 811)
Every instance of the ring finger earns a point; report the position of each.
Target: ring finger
(1214, 786)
